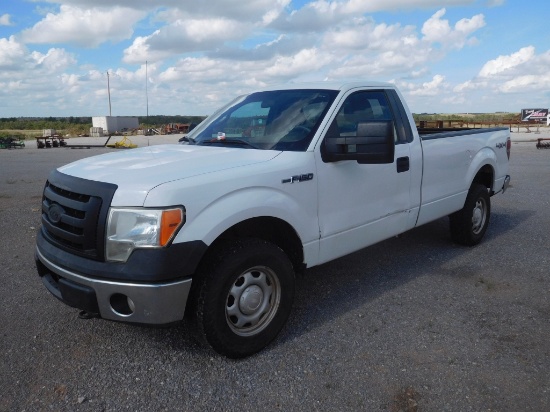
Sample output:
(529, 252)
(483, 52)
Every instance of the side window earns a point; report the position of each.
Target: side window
(362, 107)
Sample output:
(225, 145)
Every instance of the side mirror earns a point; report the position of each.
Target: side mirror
(373, 144)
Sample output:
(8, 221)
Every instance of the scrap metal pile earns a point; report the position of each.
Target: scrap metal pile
(50, 141)
(11, 142)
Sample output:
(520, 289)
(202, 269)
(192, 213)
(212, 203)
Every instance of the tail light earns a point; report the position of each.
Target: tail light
(508, 147)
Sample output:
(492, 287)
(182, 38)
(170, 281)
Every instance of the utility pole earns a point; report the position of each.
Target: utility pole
(109, 92)
(146, 93)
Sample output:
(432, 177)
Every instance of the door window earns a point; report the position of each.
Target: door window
(361, 107)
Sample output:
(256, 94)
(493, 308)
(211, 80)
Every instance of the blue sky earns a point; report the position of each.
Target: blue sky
(445, 56)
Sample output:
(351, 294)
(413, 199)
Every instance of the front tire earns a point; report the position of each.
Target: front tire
(243, 296)
(468, 225)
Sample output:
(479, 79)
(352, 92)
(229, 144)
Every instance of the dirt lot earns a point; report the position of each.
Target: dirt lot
(413, 323)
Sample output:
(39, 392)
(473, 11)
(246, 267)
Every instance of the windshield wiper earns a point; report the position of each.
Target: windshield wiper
(231, 141)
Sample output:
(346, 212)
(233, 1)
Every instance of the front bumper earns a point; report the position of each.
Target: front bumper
(149, 303)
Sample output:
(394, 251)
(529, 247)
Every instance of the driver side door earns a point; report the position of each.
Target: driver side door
(360, 203)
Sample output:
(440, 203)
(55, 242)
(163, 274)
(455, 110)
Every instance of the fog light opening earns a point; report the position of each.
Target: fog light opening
(122, 304)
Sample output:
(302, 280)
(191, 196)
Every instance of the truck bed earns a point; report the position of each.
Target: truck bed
(440, 133)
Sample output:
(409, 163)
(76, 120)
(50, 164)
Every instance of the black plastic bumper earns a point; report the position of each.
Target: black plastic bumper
(179, 260)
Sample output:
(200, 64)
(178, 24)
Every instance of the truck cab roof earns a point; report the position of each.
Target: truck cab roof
(330, 85)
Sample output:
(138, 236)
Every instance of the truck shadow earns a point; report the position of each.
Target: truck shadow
(331, 290)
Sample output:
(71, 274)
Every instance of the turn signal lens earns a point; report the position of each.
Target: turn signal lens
(170, 222)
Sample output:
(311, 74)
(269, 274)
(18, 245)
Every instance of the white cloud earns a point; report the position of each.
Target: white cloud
(370, 49)
(12, 54)
(288, 67)
(319, 14)
(361, 6)
(432, 88)
(529, 82)
(437, 30)
(364, 34)
(503, 63)
(35, 81)
(182, 37)
(244, 11)
(454, 100)
(367, 49)
(521, 73)
(84, 27)
(5, 20)
(54, 61)
(463, 87)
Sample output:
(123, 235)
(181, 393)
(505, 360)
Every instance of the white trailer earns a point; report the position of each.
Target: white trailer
(114, 124)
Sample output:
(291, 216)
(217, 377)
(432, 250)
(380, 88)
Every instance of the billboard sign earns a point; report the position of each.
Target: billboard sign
(536, 115)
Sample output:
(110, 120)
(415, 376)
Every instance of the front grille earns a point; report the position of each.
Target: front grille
(74, 212)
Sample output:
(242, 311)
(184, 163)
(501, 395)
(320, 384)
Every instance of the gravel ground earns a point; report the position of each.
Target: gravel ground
(414, 323)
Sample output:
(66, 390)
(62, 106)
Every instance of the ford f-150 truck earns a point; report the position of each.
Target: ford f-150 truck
(275, 182)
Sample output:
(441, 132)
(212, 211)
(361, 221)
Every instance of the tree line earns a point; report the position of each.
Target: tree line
(75, 126)
(38, 123)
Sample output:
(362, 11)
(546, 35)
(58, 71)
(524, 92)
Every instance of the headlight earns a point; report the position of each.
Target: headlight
(128, 229)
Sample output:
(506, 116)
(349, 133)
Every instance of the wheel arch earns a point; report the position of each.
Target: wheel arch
(485, 176)
(270, 229)
(482, 169)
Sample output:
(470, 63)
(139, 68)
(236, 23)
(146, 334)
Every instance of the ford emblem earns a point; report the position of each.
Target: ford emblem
(55, 212)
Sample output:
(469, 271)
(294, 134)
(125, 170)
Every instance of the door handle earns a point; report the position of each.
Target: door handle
(402, 164)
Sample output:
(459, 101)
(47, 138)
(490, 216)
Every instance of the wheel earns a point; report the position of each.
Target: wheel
(242, 297)
(468, 225)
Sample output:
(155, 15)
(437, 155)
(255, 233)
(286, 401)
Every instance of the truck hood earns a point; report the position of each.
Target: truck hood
(137, 171)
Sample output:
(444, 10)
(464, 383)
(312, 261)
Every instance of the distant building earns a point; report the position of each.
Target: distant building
(114, 124)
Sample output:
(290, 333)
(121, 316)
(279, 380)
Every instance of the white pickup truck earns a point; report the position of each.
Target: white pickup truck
(273, 183)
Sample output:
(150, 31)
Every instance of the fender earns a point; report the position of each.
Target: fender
(227, 210)
(239, 194)
(485, 157)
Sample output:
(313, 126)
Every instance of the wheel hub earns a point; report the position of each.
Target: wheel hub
(251, 299)
(477, 217)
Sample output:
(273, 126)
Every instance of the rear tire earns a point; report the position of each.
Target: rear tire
(468, 225)
(243, 296)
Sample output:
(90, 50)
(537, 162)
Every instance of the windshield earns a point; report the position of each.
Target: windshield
(271, 120)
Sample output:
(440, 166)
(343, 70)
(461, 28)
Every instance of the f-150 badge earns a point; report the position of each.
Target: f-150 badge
(299, 178)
